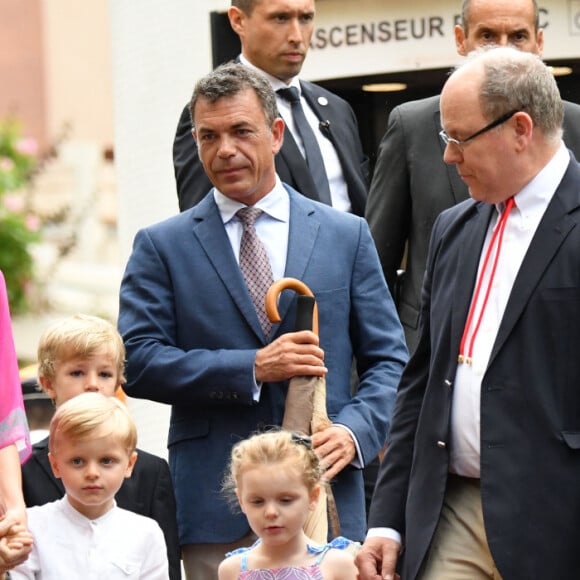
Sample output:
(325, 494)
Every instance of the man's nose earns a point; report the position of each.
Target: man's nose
(226, 147)
(452, 153)
(295, 31)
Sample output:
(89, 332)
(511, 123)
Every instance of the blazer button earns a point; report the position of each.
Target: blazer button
(441, 444)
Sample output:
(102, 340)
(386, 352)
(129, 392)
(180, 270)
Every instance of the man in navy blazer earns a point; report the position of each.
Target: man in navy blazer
(275, 36)
(411, 185)
(194, 339)
(480, 476)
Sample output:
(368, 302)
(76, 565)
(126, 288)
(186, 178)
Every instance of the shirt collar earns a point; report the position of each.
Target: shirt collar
(274, 81)
(276, 204)
(535, 196)
(73, 514)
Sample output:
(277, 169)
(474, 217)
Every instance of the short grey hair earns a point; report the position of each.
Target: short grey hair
(467, 5)
(514, 80)
(230, 79)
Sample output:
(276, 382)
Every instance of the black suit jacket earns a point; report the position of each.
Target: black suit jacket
(341, 130)
(411, 186)
(148, 492)
(530, 398)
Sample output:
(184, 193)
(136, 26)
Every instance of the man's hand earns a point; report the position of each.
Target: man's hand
(335, 449)
(377, 558)
(293, 354)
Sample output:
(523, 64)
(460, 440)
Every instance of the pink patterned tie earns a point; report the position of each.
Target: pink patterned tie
(255, 265)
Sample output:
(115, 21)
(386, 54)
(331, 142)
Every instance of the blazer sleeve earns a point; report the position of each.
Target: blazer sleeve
(391, 489)
(155, 303)
(379, 350)
(190, 177)
(388, 210)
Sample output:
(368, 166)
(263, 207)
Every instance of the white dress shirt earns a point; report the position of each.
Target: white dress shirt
(69, 546)
(523, 221)
(334, 174)
(272, 227)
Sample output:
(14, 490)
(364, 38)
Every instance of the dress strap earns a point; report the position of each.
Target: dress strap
(339, 543)
(244, 562)
(243, 553)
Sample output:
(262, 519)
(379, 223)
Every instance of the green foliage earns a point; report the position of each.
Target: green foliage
(18, 227)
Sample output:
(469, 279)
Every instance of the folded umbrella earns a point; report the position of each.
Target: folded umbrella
(305, 406)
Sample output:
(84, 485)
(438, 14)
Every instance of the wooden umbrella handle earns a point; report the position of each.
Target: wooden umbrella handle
(288, 284)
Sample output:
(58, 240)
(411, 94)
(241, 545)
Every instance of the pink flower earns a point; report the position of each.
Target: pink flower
(27, 146)
(13, 203)
(6, 164)
(32, 222)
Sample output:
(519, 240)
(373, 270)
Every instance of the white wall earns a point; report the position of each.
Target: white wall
(159, 49)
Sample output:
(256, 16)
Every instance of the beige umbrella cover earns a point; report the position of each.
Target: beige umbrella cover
(305, 408)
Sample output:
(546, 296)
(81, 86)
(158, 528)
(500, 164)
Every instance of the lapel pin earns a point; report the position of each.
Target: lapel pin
(323, 101)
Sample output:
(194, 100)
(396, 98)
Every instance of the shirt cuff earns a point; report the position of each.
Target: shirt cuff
(387, 533)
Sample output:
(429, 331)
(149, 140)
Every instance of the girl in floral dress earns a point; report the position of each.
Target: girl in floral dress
(277, 479)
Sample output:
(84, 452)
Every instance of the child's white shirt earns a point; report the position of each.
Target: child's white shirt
(68, 545)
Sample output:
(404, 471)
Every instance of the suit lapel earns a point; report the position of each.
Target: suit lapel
(209, 230)
(323, 110)
(551, 233)
(297, 166)
(303, 233)
(470, 244)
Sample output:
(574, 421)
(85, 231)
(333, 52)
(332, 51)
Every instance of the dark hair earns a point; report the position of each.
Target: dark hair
(231, 79)
(246, 6)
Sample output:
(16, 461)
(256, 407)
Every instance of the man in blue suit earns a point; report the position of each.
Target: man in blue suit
(193, 335)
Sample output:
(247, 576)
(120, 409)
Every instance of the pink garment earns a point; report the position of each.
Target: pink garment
(13, 424)
(311, 572)
(291, 573)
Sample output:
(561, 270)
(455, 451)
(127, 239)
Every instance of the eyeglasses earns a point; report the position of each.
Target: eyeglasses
(461, 142)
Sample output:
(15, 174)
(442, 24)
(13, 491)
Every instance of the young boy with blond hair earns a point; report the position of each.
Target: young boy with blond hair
(92, 450)
(86, 353)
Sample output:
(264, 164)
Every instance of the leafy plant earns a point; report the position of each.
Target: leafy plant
(19, 228)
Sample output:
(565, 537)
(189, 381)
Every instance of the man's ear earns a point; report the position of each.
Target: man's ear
(277, 134)
(131, 464)
(54, 465)
(237, 19)
(540, 41)
(524, 130)
(47, 387)
(460, 40)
